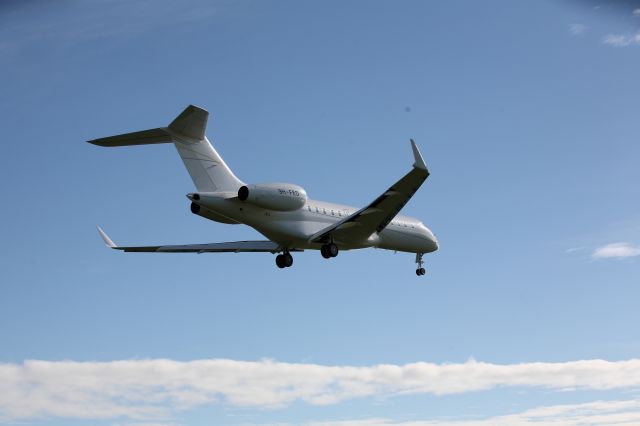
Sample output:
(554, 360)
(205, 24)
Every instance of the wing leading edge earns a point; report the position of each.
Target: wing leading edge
(377, 215)
(226, 247)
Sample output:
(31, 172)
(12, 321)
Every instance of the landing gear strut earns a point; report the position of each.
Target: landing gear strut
(420, 271)
(329, 250)
(284, 260)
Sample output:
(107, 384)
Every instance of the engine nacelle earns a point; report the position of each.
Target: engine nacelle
(274, 196)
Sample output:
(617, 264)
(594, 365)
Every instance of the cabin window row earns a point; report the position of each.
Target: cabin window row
(344, 213)
(328, 212)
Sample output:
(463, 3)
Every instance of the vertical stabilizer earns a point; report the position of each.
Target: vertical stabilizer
(192, 122)
(208, 170)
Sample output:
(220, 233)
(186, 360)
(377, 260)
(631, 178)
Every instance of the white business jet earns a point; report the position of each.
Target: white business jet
(281, 211)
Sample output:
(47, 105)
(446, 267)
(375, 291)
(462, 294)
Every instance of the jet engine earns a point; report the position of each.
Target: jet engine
(274, 196)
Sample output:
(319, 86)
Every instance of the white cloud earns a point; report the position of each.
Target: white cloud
(636, 12)
(616, 250)
(151, 390)
(622, 40)
(577, 29)
(587, 414)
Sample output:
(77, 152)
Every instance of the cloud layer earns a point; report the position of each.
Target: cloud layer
(593, 413)
(152, 389)
(616, 250)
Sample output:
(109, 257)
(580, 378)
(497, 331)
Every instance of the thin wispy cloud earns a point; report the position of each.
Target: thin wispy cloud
(616, 250)
(113, 20)
(577, 29)
(149, 390)
(636, 12)
(573, 250)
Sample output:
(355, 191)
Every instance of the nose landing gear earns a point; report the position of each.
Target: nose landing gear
(420, 271)
(284, 260)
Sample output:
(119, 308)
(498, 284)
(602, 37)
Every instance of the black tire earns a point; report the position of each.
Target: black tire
(287, 260)
(280, 261)
(418, 272)
(422, 271)
(325, 252)
(332, 250)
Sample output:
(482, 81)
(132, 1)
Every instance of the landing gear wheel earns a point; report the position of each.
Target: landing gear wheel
(420, 271)
(329, 250)
(287, 260)
(284, 260)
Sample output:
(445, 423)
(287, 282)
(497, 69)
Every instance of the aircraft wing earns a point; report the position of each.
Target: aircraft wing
(377, 215)
(227, 247)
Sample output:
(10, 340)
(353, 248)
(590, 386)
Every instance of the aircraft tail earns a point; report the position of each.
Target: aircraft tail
(208, 170)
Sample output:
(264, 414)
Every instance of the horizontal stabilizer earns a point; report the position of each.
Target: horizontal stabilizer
(190, 124)
(144, 137)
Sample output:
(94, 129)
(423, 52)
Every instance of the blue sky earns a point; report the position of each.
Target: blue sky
(526, 114)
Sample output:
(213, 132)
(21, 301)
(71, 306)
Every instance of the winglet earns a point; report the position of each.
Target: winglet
(419, 161)
(106, 238)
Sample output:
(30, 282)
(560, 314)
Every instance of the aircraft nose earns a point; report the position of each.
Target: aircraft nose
(433, 241)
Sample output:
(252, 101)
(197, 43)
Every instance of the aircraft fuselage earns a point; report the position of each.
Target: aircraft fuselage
(292, 229)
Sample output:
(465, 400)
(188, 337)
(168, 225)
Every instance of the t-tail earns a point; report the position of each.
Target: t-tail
(208, 170)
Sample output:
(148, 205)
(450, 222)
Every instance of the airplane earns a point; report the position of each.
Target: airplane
(282, 212)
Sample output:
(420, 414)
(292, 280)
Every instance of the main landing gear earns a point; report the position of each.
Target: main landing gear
(329, 250)
(284, 260)
(420, 271)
